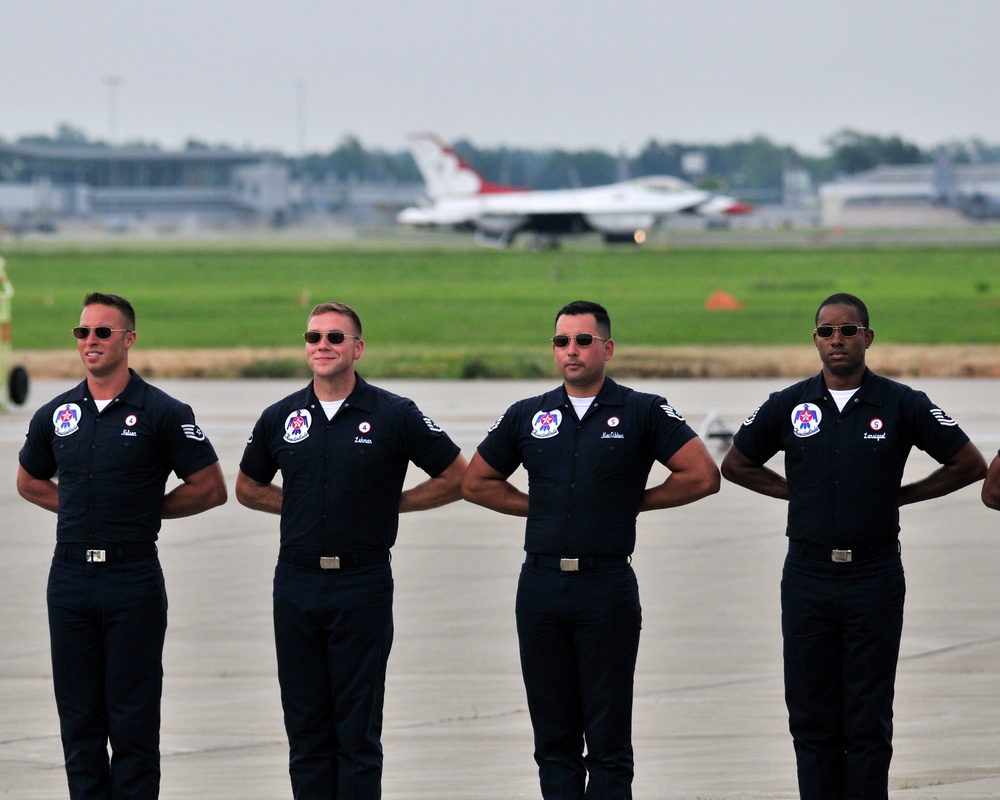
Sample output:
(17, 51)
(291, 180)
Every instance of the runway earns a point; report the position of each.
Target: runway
(709, 718)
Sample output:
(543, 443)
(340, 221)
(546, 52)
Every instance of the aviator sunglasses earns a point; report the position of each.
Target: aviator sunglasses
(847, 331)
(561, 340)
(103, 331)
(333, 337)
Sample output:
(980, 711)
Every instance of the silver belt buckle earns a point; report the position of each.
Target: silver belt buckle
(569, 564)
(329, 562)
(841, 556)
(96, 556)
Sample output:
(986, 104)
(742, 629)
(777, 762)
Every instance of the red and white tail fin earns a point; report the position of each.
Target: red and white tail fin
(445, 173)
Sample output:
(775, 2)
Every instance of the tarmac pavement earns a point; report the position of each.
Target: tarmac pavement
(709, 719)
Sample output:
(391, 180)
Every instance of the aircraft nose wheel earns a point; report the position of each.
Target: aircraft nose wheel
(17, 385)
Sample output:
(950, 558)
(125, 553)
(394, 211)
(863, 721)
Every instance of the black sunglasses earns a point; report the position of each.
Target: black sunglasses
(102, 331)
(333, 337)
(561, 340)
(847, 331)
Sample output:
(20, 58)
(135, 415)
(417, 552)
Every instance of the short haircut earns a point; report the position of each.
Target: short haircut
(124, 306)
(581, 307)
(845, 299)
(338, 308)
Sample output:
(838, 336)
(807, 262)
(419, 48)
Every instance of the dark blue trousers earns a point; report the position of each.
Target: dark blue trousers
(107, 624)
(841, 625)
(333, 632)
(579, 639)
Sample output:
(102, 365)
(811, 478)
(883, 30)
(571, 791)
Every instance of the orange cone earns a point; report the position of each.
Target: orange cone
(722, 301)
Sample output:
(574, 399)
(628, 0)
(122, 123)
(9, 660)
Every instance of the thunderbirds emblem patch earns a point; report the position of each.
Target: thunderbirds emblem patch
(297, 426)
(805, 419)
(545, 424)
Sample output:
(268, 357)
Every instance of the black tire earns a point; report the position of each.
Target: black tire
(17, 386)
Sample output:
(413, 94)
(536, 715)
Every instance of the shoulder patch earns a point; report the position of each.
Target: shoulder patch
(670, 411)
(942, 418)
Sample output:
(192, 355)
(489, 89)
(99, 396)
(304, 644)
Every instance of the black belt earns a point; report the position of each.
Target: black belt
(100, 553)
(343, 561)
(856, 553)
(577, 564)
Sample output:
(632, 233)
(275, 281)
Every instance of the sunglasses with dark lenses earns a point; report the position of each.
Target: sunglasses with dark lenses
(102, 331)
(847, 331)
(561, 340)
(333, 337)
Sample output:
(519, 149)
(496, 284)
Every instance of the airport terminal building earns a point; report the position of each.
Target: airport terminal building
(42, 186)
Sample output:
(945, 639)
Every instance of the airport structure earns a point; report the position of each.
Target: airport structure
(912, 196)
(43, 186)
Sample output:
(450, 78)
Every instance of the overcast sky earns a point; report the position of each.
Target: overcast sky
(532, 73)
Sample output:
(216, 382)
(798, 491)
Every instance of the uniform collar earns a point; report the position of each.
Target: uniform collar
(362, 396)
(134, 392)
(610, 394)
(870, 391)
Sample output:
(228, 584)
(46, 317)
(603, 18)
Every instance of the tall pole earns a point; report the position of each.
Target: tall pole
(112, 82)
(300, 95)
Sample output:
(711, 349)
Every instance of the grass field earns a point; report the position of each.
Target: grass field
(485, 303)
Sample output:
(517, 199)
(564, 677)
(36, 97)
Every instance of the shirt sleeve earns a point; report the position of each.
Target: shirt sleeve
(670, 431)
(188, 447)
(934, 431)
(427, 445)
(500, 448)
(759, 437)
(258, 463)
(36, 456)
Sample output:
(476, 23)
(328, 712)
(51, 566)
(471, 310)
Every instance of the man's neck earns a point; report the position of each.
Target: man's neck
(842, 383)
(591, 390)
(328, 391)
(108, 387)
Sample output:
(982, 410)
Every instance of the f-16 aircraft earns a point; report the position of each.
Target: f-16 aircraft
(459, 197)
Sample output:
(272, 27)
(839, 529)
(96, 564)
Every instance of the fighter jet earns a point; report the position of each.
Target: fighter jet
(460, 198)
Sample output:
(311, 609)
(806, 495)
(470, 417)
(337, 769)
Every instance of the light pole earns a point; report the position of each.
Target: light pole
(112, 82)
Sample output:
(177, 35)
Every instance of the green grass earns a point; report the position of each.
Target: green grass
(485, 301)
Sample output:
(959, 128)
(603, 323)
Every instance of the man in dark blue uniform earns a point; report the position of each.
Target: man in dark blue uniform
(342, 447)
(846, 434)
(112, 441)
(991, 486)
(588, 447)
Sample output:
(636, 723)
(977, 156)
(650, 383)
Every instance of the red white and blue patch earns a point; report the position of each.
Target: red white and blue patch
(545, 424)
(297, 426)
(66, 419)
(805, 419)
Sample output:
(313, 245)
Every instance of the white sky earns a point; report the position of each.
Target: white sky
(532, 73)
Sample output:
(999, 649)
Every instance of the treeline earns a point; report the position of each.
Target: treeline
(757, 166)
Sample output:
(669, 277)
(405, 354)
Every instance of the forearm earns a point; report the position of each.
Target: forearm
(680, 488)
(501, 496)
(43, 493)
(991, 486)
(199, 492)
(968, 466)
(756, 478)
(437, 491)
(266, 497)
